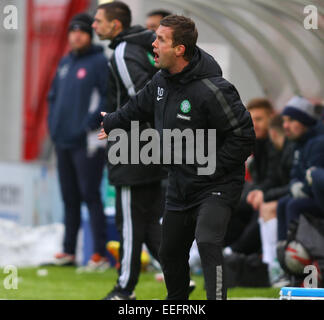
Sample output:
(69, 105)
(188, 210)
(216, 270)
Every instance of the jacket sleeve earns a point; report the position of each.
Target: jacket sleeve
(233, 124)
(316, 153)
(315, 158)
(112, 103)
(138, 108)
(102, 86)
(133, 67)
(276, 192)
(271, 176)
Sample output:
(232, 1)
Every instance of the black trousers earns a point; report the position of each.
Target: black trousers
(207, 224)
(80, 177)
(138, 213)
(250, 239)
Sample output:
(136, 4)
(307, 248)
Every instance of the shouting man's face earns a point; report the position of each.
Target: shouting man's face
(166, 55)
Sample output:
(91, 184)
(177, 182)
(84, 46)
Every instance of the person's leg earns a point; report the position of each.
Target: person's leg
(281, 217)
(268, 230)
(119, 221)
(178, 230)
(153, 215)
(89, 171)
(131, 226)
(240, 219)
(269, 239)
(71, 199)
(212, 221)
(296, 207)
(249, 241)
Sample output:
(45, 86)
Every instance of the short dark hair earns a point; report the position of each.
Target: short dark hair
(184, 32)
(276, 123)
(161, 12)
(260, 103)
(118, 10)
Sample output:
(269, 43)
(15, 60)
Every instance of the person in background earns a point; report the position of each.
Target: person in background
(266, 199)
(301, 125)
(154, 17)
(243, 235)
(315, 180)
(138, 187)
(77, 95)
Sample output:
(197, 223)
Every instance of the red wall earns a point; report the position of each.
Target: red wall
(46, 42)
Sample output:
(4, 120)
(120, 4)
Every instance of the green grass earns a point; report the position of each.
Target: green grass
(63, 283)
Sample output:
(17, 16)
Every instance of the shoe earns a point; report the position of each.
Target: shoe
(64, 259)
(117, 294)
(192, 286)
(96, 263)
(283, 281)
(275, 272)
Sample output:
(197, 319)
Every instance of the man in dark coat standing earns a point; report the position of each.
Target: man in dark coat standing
(190, 95)
(77, 94)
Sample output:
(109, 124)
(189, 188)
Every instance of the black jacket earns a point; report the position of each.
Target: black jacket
(215, 104)
(131, 67)
(264, 154)
(276, 183)
(309, 152)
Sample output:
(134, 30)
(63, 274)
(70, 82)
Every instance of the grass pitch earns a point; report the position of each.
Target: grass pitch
(64, 283)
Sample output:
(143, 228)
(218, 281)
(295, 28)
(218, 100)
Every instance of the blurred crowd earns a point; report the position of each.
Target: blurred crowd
(282, 203)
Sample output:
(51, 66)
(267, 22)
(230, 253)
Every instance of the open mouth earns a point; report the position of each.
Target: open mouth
(156, 57)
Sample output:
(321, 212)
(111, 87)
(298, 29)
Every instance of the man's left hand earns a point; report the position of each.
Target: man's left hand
(102, 135)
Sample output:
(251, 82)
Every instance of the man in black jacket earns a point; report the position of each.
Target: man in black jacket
(131, 67)
(190, 93)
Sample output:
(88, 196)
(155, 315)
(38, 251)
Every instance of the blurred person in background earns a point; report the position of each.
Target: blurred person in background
(77, 95)
(243, 235)
(266, 199)
(302, 126)
(154, 17)
(315, 179)
(139, 194)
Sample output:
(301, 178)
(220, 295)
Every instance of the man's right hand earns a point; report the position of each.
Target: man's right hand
(255, 199)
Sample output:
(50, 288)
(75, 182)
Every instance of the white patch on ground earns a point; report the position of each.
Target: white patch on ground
(24, 246)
